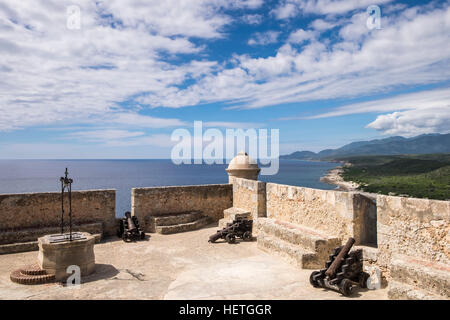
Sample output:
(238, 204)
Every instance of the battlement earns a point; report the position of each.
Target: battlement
(389, 226)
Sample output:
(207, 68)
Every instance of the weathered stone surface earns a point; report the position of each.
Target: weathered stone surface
(41, 210)
(32, 234)
(32, 245)
(179, 266)
(428, 276)
(413, 227)
(56, 257)
(401, 291)
(335, 213)
(292, 253)
(249, 195)
(308, 248)
(231, 214)
(242, 166)
(19, 247)
(173, 219)
(183, 227)
(211, 200)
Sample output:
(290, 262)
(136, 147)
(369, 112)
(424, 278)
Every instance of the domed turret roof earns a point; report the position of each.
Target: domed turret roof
(242, 162)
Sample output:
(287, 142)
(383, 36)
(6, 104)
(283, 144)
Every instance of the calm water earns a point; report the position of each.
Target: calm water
(17, 176)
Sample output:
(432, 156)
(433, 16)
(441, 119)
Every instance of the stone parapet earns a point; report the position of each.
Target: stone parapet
(43, 210)
(211, 200)
(249, 195)
(335, 213)
(413, 227)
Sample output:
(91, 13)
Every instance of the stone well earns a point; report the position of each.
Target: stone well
(55, 257)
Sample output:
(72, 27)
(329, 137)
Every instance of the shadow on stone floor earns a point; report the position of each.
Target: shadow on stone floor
(102, 271)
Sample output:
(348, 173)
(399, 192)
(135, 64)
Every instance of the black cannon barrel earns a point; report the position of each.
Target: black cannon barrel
(215, 236)
(220, 233)
(331, 271)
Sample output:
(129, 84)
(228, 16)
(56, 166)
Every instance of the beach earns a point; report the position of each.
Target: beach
(334, 177)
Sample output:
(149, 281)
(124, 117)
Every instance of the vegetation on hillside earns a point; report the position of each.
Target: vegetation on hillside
(420, 176)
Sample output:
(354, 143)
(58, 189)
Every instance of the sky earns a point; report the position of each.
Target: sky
(118, 84)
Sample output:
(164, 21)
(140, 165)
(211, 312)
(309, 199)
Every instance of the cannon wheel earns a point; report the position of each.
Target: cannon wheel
(312, 281)
(247, 236)
(142, 235)
(231, 238)
(363, 279)
(346, 287)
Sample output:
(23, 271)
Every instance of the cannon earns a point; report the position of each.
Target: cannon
(129, 228)
(239, 228)
(343, 271)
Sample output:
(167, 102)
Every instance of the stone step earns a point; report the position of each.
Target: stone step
(31, 274)
(305, 237)
(292, 253)
(431, 276)
(401, 291)
(234, 212)
(230, 214)
(33, 270)
(183, 227)
(173, 219)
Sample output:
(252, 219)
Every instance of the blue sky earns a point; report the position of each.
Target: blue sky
(136, 70)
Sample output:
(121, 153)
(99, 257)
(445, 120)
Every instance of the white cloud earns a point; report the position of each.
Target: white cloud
(142, 121)
(264, 38)
(102, 135)
(252, 18)
(415, 113)
(414, 122)
(413, 48)
(286, 10)
(322, 25)
(301, 35)
(232, 125)
(291, 8)
(50, 74)
(438, 98)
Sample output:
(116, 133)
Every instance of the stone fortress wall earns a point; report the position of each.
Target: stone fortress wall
(338, 214)
(391, 229)
(211, 200)
(414, 227)
(417, 227)
(249, 195)
(25, 217)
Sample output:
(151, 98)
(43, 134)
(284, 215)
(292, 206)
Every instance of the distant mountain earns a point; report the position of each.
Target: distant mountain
(423, 144)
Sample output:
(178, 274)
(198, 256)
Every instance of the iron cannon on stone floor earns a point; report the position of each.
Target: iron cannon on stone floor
(343, 272)
(129, 228)
(239, 228)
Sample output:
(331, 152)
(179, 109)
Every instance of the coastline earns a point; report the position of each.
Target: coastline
(334, 177)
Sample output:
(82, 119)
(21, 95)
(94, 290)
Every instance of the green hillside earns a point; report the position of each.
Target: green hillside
(420, 176)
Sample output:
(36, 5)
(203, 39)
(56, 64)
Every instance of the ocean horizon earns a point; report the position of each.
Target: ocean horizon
(42, 175)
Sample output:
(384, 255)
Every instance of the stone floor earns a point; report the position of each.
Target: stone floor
(178, 266)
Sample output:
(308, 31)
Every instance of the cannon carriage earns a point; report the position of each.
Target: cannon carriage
(129, 228)
(343, 271)
(239, 228)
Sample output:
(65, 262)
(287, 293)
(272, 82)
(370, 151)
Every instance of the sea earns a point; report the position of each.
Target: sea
(20, 176)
